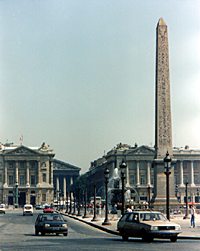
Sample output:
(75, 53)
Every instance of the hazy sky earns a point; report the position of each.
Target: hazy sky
(80, 74)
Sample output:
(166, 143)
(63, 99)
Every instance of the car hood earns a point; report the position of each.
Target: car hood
(159, 223)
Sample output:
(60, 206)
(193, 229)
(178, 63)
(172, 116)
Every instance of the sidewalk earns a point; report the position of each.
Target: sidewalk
(187, 231)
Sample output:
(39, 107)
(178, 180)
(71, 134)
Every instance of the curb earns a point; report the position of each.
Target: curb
(93, 225)
(117, 233)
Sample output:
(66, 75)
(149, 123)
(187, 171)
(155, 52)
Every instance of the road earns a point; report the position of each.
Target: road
(17, 233)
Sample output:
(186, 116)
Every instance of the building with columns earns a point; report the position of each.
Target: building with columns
(27, 174)
(64, 177)
(140, 177)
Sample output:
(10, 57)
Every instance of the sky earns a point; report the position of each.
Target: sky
(80, 74)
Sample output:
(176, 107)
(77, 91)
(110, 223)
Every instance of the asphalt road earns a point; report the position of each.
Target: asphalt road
(17, 233)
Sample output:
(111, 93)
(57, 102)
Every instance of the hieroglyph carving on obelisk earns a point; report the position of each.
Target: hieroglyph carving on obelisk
(163, 127)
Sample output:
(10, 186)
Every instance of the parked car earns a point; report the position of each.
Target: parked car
(28, 209)
(38, 207)
(48, 209)
(147, 225)
(51, 223)
(2, 208)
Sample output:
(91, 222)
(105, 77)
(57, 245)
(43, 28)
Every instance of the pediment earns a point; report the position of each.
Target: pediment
(21, 150)
(143, 150)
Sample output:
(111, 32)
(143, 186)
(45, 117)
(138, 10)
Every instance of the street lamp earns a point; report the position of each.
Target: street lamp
(94, 204)
(123, 169)
(16, 195)
(79, 206)
(167, 162)
(106, 176)
(85, 202)
(149, 195)
(186, 200)
(198, 195)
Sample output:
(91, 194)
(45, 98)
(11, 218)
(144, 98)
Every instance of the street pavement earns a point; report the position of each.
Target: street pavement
(187, 231)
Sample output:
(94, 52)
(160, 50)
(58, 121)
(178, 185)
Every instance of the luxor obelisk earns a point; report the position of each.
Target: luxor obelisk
(163, 125)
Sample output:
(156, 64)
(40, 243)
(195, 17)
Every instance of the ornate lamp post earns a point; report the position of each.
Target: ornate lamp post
(94, 216)
(186, 200)
(149, 195)
(106, 175)
(16, 195)
(167, 162)
(123, 166)
(78, 201)
(85, 206)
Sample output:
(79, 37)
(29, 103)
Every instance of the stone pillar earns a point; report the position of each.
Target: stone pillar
(6, 175)
(39, 174)
(64, 188)
(51, 163)
(137, 173)
(17, 172)
(57, 184)
(127, 176)
(192, 173)
(27, 174)
(148, 173)
(181, 174)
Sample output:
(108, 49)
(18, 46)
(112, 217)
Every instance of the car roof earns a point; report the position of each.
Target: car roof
(144, 212)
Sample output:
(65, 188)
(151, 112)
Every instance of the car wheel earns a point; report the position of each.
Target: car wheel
(57, 234)
(173, 239)
(36, 232)
(65, 234)
(42, 233)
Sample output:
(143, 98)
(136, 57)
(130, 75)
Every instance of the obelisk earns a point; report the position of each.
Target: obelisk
(163, 124)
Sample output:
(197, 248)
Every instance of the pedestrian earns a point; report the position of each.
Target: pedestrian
(128, 209)
(192, 214)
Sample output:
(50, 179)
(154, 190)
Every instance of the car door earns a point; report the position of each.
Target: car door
(132, 224)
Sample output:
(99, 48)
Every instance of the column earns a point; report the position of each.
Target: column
(181, 174)
(64, 188)
(127, 176)
(17, 172)
(51, 163)
(57, 184)
(148, 173)
(192, 173)
(38, 182)
(137, 172)
(6, 175)
(27, 174)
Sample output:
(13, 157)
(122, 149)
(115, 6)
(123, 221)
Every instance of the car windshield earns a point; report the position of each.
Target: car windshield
(152, 217)
(52, 218)
(28, 207)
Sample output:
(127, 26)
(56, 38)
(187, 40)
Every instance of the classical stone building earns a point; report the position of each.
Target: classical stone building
(139, 180)
(64, 177)
(27, 174)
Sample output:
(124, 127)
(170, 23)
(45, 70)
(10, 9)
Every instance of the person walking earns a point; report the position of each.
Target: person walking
(192, 214)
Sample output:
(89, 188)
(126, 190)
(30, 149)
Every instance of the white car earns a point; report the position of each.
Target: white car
(147, 225)
(28, 209)
(2, 208)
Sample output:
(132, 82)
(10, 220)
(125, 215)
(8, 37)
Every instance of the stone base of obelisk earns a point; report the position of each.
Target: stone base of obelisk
(159, 199)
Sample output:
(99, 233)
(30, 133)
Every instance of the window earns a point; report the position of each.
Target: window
(43, 197)
(44, 177)
(33, 180)
(142, 179)
(22, 180)
(10, 180)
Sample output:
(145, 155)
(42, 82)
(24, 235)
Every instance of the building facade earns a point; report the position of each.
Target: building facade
(140, 175)
(27, 174)
(64, 177)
